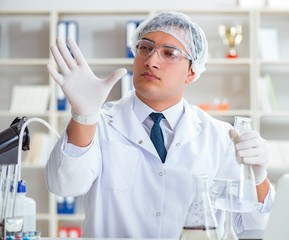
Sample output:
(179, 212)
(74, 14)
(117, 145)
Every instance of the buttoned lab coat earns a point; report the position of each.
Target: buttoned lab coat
(128, 192)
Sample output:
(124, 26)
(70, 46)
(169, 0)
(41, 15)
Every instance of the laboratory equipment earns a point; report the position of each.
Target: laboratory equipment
(200, 222)
(243, 186)
(25, 207)
(9, 140)
(12, 141)
(229, 232)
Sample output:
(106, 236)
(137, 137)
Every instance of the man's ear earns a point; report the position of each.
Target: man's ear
(191, 76)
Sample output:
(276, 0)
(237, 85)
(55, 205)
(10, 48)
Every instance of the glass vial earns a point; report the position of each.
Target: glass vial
(200, 222)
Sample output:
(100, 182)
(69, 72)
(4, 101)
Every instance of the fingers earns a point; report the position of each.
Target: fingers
(249, 146)
(251, 143)
(249, 156)
(78, 57)
(62, 66)
(250, 152)
(116, 75)
(233, 133)
(62, 57)
(249, 140)
(65, 53)
(54, 74)
(255, 160)
(251, 160)
(249, 135)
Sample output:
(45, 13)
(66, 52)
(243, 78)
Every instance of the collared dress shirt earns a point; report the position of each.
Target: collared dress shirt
(128, 192)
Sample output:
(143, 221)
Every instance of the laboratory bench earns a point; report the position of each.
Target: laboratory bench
(247, 235)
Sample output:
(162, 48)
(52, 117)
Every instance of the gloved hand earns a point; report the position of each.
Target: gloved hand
(252, 150)
(85, 92)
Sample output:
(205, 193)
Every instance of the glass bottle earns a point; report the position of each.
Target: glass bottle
(200, 222)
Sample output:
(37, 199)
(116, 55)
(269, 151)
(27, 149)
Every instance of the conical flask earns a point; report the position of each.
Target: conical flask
(247, 188)
(229, 232)
(200, 222)
(243, 186)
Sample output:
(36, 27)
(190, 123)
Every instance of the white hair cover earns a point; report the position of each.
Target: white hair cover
(184, 30)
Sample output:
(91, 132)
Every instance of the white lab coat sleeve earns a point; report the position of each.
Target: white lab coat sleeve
(258, 219)
(67, 175)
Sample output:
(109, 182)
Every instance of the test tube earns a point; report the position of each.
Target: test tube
(2, 190)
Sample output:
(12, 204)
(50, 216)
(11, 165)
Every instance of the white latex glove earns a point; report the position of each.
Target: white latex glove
(252, 150)
(85, 92)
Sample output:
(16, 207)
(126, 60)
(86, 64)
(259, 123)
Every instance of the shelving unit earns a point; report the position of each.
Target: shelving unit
(25, 38)
(274, 125)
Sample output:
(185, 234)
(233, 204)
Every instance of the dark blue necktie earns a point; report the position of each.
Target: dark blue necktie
(157, 135)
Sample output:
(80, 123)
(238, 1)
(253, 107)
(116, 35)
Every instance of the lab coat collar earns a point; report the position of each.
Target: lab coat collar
(122, 117)
(188, 128)
(172, 114)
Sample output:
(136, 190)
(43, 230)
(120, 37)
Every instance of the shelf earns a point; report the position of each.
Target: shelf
(69, 217)
(274, 114)
(281, 62)
(274, 12)
(35, 166)
(31, 12)
(42, 216)
(7, 113)
(94, 12)
(110, 61)
(24, 62)
(225, 61)
(230, 113)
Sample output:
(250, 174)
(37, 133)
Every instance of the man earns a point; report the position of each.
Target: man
(134, 187)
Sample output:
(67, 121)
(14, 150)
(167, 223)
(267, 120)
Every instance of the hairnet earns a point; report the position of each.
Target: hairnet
(180, 26)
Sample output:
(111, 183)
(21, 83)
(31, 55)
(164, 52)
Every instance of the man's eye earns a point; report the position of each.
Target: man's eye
(145, 48)
(171, 53)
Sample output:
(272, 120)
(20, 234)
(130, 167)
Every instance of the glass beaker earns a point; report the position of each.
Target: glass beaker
(243, 189)
(200, 222)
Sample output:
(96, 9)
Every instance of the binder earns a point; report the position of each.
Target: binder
(67, 29)
(61, 99)
(130, 28)
(66, 205)
(126, 83)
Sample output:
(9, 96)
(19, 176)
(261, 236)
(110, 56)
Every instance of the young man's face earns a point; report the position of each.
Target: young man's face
(158, 83)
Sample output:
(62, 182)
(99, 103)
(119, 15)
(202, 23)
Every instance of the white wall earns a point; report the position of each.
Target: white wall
(109, 4)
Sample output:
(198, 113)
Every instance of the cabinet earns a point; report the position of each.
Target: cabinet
(24, 52)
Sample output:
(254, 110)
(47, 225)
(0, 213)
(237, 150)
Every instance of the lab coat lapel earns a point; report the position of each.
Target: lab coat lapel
(123, 119)
(187, 129)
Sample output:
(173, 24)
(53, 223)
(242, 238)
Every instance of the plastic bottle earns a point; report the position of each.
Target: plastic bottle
(25, 207)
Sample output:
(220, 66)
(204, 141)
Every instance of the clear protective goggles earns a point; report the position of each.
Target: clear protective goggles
(168, 53)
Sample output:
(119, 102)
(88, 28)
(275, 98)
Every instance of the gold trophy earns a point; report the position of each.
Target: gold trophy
(231, 36)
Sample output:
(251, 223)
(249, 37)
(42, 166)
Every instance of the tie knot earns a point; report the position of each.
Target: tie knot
(156, 117)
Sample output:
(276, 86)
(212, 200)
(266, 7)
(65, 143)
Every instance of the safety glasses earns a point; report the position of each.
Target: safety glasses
(169, 54)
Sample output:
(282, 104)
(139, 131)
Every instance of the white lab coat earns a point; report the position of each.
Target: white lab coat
(128, 192)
